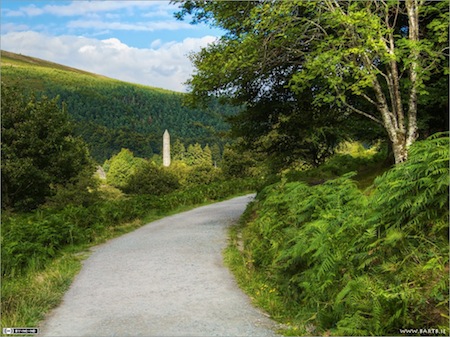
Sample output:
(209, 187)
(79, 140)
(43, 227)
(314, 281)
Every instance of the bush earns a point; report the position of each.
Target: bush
(121, 167)
(82, 190)
(203, 175)
(151, 179)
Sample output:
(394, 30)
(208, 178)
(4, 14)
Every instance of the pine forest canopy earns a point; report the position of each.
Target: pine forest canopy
(110, 115)
(312, 72)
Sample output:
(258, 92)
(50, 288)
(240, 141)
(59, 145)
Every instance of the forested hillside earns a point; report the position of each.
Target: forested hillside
(110, 114)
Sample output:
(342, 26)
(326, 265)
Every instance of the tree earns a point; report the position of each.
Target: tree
(39, 151)
(372, 59)
(236, 162)
(381, 52)
(207, 156)
(121, 167)
(216, 154)
(196, 156)
(178, 150)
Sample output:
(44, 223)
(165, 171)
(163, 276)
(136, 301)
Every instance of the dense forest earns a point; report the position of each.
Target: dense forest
(110, 115)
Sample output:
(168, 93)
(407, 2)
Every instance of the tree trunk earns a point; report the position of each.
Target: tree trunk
(400, 149)
(412, 7)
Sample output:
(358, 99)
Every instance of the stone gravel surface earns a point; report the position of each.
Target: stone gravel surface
(165, 279)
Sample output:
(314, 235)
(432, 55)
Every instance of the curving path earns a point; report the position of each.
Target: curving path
(164, 279)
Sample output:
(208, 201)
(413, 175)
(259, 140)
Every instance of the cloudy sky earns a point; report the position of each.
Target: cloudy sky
(134, 41)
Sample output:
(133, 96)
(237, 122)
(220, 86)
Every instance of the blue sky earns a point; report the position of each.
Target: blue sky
(134, 41)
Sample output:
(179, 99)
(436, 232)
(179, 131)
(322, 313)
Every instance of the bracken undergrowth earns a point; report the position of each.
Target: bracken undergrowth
(347, 263)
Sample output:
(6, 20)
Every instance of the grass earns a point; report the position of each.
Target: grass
(26, 300)
(32, 66)
(262, 293)
(351, 157)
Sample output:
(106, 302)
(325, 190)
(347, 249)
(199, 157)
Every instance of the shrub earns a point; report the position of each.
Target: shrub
(151, 179)
(203, 174)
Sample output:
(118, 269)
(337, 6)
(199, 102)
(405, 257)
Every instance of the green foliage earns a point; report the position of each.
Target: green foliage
(238, 162)
(412, 194)
(350, 157)
(81, 190)
(195, 155)
(121, 167)
(203, 174)
(30, 241)
(352, 264)
(311, 73)
(178, 150)
(139, 176)
(151, 179)
(39, 150)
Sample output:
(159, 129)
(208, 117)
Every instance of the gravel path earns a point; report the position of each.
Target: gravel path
(164, 279)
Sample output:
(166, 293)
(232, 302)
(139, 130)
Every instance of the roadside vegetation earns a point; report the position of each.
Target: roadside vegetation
(42, 250)
(54, 207)
(332, 259)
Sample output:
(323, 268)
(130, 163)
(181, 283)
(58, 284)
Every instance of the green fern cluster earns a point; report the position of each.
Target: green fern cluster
(353, 264)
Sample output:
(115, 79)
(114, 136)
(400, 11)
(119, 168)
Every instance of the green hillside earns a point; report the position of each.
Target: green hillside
(111, 114)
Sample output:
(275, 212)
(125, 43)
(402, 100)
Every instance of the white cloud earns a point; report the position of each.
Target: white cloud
(77, 8)
(12, 27)
(137, 26)
(165, 65)
(156, 43)
(32, 10)
(11, 13)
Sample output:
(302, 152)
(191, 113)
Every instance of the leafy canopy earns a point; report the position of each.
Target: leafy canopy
(340, 60)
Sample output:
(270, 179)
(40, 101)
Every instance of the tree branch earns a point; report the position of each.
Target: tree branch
(365, 114)
(370, 100)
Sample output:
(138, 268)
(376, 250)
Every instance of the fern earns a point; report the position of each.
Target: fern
(410, 192)
(358, 265)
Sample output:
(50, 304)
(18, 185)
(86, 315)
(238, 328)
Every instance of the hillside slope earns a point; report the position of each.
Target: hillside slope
(111, 114)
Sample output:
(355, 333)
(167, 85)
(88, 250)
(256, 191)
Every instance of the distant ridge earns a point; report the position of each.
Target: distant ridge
(10, 58)
(13, 58)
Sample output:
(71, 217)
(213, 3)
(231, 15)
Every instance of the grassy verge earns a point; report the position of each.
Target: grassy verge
(28, 297)
(262, 292)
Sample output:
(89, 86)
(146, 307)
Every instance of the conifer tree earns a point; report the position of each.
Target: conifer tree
(178, 150)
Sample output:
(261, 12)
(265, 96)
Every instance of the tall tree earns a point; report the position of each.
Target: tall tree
(372, 58)
(39, 150)
(381, 51)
